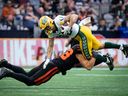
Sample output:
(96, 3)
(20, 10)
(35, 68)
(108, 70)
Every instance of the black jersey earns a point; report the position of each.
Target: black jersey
(67, 60)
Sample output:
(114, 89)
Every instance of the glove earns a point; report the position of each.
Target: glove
(46, 63)
(66, 30)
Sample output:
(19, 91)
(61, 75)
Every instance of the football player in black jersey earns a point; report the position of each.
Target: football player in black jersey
(64, 62)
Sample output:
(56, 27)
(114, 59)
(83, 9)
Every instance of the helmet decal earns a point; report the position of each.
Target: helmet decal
(44, 20)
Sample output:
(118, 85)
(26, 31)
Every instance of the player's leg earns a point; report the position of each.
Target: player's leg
(41, 76)
(122, 47)
(98, 45)
(18, 76)
(17, 69)
(46, 74)
(105, 58)
(85, 42)
(34, 70)
(95, 44)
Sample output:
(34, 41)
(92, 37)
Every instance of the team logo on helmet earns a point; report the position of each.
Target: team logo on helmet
(44, 20)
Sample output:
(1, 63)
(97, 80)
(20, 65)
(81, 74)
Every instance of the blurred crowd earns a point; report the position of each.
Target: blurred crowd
(107, 15)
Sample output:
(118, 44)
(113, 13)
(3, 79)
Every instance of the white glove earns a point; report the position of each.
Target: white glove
(46, 63)
(66, 30)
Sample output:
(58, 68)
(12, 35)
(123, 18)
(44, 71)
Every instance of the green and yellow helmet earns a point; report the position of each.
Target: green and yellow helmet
(44, 22)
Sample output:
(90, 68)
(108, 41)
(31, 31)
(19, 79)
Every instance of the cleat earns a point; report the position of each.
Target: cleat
(2, 62)
(3, 73)
(125, 50)
(110, 63)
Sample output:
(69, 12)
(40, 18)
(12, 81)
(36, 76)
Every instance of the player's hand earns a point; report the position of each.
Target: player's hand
(46, 63)
(66, 30)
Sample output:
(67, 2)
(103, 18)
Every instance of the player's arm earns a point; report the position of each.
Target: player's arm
(71, 18)
(49, 52)
(88, 64)
(50, 47)
(85, 22)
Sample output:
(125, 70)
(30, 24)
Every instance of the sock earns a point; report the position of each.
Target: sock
(14, 68)
(111, 45)
(99, 59)
(20, 77)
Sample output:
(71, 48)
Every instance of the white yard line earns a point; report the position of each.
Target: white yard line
(100, 69)
(103, 75)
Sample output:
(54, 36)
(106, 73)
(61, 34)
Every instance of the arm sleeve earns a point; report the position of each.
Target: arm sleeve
(85, 21)
(59, 20)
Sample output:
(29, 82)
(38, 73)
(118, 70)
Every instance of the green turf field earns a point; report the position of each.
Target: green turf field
(78, 82)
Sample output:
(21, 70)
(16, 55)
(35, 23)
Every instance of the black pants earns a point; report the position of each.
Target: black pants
(36, 76)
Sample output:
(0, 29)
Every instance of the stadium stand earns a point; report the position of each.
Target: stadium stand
(18, 14)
